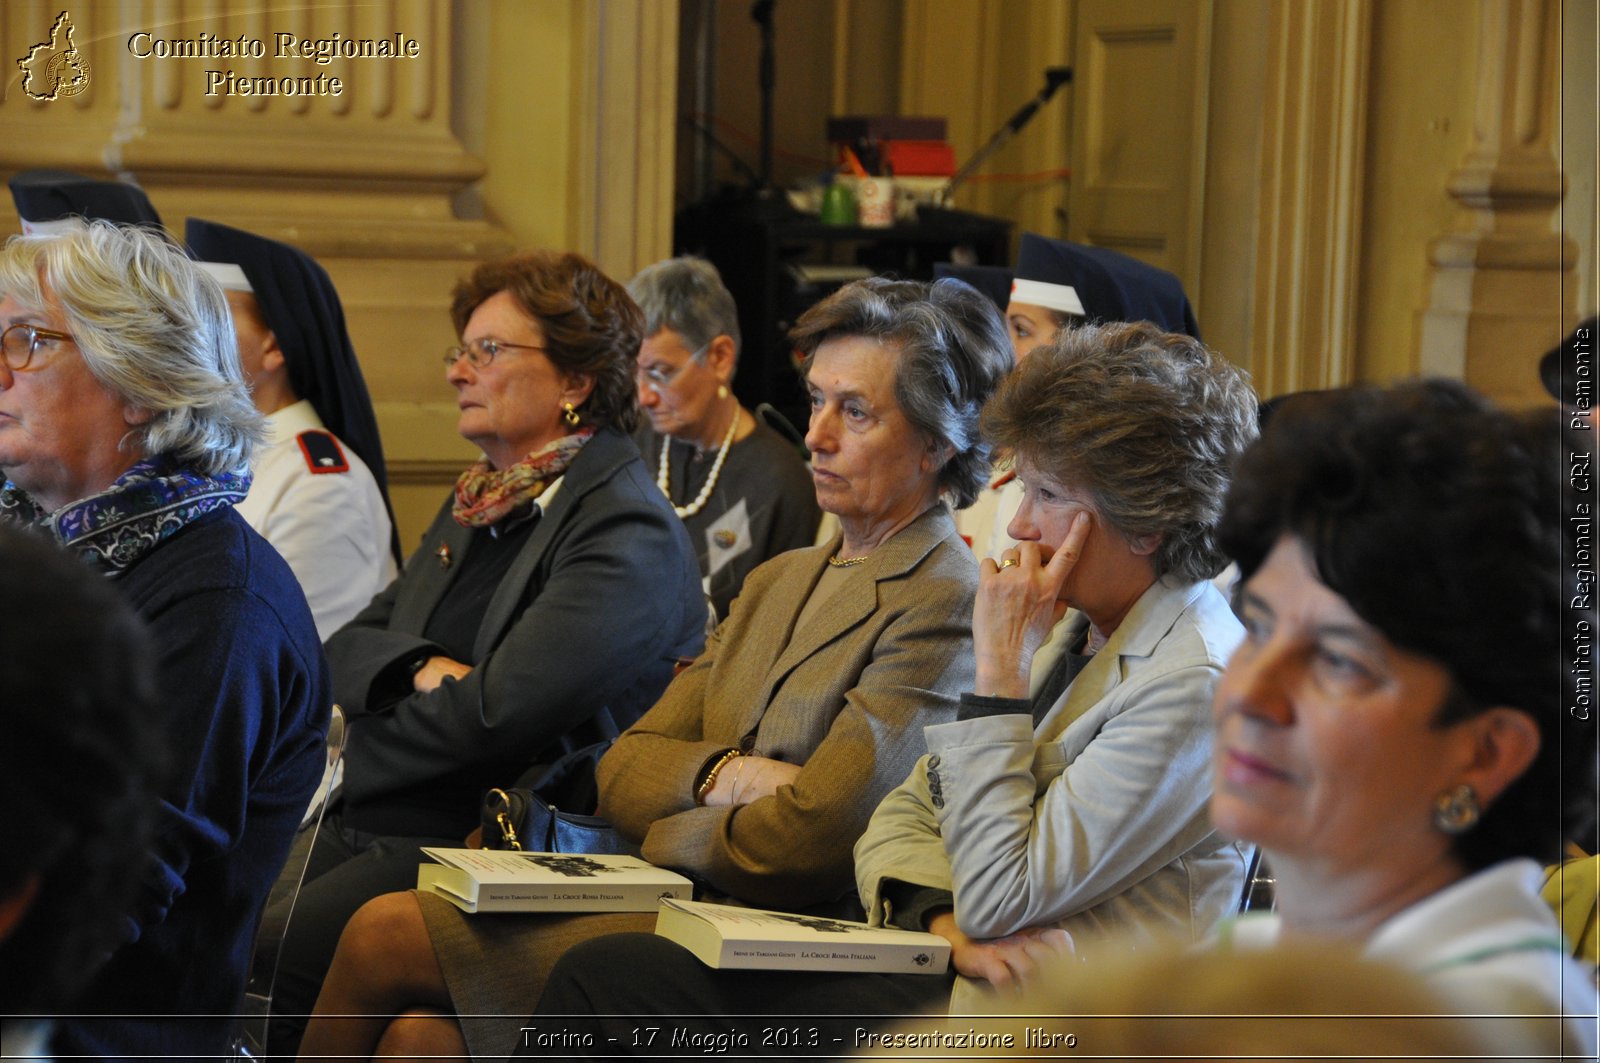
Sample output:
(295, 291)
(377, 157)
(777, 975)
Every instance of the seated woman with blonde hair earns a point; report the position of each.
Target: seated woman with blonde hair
(758, 769)
(126, 432)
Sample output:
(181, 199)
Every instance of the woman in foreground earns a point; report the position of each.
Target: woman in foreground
(758, 769)
(126, 432)
(1394, 730)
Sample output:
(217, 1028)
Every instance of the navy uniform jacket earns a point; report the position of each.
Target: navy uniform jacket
(247, 688)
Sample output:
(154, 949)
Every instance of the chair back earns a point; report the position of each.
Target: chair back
(250, 1039)
(1260, 886)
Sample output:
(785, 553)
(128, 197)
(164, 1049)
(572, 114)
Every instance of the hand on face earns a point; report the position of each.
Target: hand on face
(1019, 601)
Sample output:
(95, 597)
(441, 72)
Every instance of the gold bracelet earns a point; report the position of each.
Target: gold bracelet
(710, 778)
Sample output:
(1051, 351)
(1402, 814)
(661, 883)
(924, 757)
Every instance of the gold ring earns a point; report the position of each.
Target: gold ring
(1008, 562)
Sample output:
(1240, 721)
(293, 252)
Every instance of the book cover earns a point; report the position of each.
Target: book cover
(496, 880)
(726, 936)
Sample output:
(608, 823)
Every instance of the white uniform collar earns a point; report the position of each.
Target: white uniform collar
(290, 421)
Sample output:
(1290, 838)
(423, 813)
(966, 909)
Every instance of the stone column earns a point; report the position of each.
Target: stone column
(1496, 297)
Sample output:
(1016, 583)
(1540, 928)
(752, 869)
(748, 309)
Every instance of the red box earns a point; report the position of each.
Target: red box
(920, 158)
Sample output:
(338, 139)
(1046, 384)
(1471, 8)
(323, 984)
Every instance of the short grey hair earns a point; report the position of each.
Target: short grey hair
(953, 352)
(686, 295)
(1149, 423)
(154, 329)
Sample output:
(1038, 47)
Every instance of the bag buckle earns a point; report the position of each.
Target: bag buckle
(508, 832)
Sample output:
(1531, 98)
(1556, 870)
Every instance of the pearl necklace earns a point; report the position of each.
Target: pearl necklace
(664, 472)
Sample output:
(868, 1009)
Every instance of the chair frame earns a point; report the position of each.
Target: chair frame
(255, 1009)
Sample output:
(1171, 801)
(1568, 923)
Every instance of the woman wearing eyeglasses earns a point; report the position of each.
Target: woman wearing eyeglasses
(507, 642)
(759, 767)
(742, 490)
(542, 614)
(126, 432)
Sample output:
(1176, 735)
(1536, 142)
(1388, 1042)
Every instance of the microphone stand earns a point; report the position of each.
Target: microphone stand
(1054, 78)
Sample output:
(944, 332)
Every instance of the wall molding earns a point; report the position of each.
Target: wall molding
(1496, 297)
(1310, 209)
(626, 116)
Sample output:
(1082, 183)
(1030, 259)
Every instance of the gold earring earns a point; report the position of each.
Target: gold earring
(1457, 811)
(569, 415)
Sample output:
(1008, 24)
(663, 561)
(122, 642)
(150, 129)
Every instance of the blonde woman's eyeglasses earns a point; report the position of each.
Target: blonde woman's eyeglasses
(19, 342)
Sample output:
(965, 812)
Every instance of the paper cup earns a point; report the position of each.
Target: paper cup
(875, 201)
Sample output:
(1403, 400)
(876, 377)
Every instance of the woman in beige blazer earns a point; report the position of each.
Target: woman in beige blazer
(1076, 805)
(758, 769)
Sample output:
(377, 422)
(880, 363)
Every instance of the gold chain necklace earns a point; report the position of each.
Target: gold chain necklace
(837, 562)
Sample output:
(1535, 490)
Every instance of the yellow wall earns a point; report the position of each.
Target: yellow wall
(1419, 129)
(1222, 297)
(522, 124)
(1409, 83)
(1580, 43)
(551, 123)
(529, 127)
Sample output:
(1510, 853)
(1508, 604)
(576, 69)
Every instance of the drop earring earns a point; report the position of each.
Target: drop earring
(722, 391)
(569, 415)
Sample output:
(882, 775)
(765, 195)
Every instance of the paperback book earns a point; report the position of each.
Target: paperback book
(498, 880)
(726, 936)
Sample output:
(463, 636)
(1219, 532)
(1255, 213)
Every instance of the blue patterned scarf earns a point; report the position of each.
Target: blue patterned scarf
(147, 504)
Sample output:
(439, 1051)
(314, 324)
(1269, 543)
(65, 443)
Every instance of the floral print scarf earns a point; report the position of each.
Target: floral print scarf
(146, 505)
(484, 496)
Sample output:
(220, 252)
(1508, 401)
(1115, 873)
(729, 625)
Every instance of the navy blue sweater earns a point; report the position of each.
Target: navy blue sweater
(247, 688)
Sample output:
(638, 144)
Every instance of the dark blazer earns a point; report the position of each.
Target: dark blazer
(846, 696)
(578, 640)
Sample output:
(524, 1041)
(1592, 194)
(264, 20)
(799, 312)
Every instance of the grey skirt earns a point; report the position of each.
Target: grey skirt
(495, 966)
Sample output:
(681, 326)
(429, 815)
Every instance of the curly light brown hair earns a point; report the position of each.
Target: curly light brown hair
(1149, 423)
